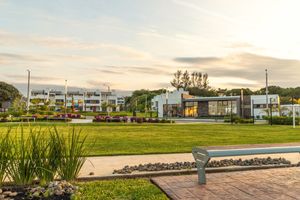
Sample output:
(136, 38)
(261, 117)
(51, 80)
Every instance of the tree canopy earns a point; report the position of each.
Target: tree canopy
(8, 92)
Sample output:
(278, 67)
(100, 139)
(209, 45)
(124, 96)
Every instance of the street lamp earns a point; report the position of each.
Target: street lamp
(28, 91)
(267, 91)
(66, 93)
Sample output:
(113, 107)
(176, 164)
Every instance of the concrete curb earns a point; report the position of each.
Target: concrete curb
(179, 172)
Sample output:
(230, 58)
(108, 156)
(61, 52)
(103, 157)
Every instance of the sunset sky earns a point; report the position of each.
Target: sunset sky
(134, 44)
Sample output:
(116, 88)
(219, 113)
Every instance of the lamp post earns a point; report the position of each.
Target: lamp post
(28, 91)
(66, 93)
(294, 115)
(271, 112)
(267, 92)
(167, 106)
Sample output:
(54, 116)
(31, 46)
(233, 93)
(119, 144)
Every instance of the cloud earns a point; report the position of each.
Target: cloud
(34, 78)
(207, 12)
(247, 66)
(114, 69)
(69, 43)
(196, 60)
(11, 57)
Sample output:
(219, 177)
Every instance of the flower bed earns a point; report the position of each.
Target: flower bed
(139, 120)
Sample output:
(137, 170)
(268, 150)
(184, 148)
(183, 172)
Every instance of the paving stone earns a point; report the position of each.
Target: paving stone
(283, 183)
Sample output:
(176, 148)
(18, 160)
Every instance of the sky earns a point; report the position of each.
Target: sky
(135, 44)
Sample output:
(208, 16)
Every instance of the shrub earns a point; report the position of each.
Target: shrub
(282, 120)
(238, 120)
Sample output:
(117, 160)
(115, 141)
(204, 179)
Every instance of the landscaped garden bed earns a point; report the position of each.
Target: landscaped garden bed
(212, 164)
(126, 119)
(29, 163)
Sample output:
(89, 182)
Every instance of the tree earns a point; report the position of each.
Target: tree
(138, 99)
(202, 92)
(177, 80)
(8, 92)
(186, 81)
(238, 91)
(199, 80)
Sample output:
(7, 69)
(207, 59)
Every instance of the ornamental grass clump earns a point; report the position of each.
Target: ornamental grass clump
(21, 169)
(74, 154)
(5, 154)
(41, 155)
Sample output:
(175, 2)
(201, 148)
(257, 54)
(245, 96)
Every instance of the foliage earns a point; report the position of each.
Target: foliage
(238, 120)
(35, 153)
(21, 169)
(177, 82)
(238, 91)
(5, 154)
(202, 92)
(282, 120)
(188, 80)
(120, 189)
(8, 92)
(74, 154)
(18, 105)
(137, 101)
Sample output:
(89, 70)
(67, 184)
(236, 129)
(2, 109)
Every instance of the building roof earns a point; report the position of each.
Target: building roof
(212, 98)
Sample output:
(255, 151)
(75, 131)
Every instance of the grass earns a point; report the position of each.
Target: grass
(125, 139)
(120, 189)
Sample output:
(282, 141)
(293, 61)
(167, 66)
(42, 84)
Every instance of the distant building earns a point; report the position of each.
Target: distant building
(287, 110)
(90, 101)
(180, 104)
(5, 105)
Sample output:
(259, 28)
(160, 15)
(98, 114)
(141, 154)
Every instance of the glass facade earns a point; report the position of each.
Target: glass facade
(172, 110)
(222, 108)
(191, 109)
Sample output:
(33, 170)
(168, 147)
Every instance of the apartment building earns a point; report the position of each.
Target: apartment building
(90, 101)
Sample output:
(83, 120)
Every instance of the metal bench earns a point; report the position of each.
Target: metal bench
(202, 156)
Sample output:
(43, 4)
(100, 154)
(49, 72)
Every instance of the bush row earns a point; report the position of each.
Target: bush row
(282, 120)
(238, 120)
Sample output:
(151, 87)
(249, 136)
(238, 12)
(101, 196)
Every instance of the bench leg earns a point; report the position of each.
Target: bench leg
(201, 171)
(201, 157)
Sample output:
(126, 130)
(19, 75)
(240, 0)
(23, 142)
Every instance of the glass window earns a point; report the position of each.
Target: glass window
(191, 109)
(222, 108)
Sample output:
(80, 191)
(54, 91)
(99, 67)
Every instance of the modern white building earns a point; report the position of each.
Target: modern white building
(171, 101)
(90, 101)
(180, 104)
(287, 110)
(259, 105)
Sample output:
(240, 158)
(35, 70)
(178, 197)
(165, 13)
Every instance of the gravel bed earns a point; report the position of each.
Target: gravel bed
(57, 190)
(150, 167)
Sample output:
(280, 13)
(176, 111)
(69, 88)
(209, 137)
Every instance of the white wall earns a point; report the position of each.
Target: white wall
(261, 99)
(287, 110)
(174, 97)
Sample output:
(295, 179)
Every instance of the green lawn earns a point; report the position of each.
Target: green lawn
(133, 189)
(122, 139)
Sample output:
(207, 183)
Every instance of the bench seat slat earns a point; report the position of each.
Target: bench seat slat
(253, 151)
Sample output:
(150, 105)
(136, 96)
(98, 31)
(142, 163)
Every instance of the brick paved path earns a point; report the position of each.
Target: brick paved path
(267, 184)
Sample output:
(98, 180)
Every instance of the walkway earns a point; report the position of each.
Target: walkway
(267, 184)
(104, 165)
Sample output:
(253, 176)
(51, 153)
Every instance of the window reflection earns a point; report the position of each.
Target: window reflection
(222, 108)
(191, 109)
